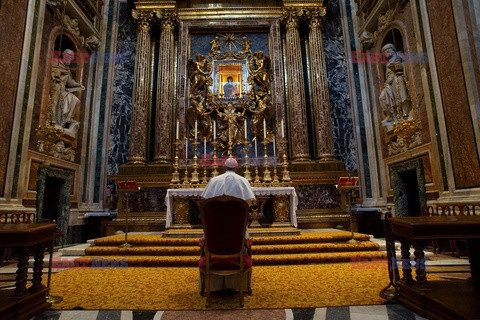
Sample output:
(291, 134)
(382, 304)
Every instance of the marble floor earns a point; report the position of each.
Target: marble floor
(375, 312)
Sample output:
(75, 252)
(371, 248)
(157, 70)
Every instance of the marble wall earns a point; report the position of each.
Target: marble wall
(12, 15)
(342, 123)
(122, 94)
(318, 197)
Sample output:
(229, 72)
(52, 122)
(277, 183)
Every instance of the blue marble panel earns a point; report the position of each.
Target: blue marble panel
(122, 95)
(343, 138)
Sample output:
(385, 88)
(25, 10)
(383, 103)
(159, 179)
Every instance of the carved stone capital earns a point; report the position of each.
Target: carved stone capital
(169, 18)
(143, 18)
(291, 16)
(315, 17)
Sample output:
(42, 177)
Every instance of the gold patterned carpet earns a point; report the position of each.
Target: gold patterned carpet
(311, 247)
(296, 286)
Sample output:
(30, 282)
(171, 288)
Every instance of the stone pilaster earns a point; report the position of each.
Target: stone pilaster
(165, 88)
(320, 97)
(141, 86)
(295, 87)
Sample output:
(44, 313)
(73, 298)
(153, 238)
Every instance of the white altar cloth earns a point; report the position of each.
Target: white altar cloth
(262, 191)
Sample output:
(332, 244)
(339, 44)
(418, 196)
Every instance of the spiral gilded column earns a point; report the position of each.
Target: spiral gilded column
(141, 86)
(320, 97)
(295, 87)
(165, 88)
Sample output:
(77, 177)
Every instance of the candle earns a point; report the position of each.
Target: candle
(214, 129)
(196, 128)
(204, 146)
(264, 129)
(245, 125)
(255, 139)
(186, 148)
(178, 127)
(274, 147)
(283, 130)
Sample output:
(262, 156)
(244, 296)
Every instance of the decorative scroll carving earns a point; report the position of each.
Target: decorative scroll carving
(367, 40)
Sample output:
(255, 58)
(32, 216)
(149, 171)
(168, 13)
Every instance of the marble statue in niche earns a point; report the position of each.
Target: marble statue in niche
(58, 137)
(63, 102)
(394, 97)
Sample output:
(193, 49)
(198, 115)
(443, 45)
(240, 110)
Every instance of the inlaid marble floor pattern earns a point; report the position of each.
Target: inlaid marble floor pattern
(375, 312)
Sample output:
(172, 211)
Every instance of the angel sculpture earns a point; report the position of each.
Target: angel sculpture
(198, 73)
(231, 130)
(263, 110)
(199, 112)
(260, 70)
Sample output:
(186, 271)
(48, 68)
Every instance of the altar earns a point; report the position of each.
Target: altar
(182, 206)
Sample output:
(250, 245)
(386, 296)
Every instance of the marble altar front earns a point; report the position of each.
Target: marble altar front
(183, 203)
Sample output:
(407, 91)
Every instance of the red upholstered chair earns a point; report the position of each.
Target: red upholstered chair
(224, 222)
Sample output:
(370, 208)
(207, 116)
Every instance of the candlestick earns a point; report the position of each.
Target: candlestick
(255, 139)
(186, 150)
(214, 130)
(274, 153)
(177, 132)
(204, 146)
(264, 129)
(283, 130)
(245, 125)
(196, 129)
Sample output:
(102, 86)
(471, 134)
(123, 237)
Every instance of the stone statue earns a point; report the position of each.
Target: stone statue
(198, 111)
(394, 98)
(263, 111)
(198, 72)
(260, 72)
(63, 102)
(215, 46)
(246, 46)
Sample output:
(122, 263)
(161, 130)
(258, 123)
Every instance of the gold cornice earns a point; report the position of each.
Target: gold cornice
(231, 13)
(154, 4)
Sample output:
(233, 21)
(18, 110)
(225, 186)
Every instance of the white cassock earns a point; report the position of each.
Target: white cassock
(230, 184)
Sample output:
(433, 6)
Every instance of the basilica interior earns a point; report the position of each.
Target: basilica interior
(356, 123)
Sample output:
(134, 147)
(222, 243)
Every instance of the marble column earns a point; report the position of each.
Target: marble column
(320, 97)
(141, 86)
(295, 87)
(165, 88)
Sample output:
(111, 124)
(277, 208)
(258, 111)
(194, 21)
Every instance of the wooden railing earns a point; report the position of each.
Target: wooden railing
(17, 217)
(452, 209)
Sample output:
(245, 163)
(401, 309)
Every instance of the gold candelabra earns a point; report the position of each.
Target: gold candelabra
(267, 178)
(176, 174)
(286, 174)
(185, 178)
(247, 175)
(214, 157)
(195, 178)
